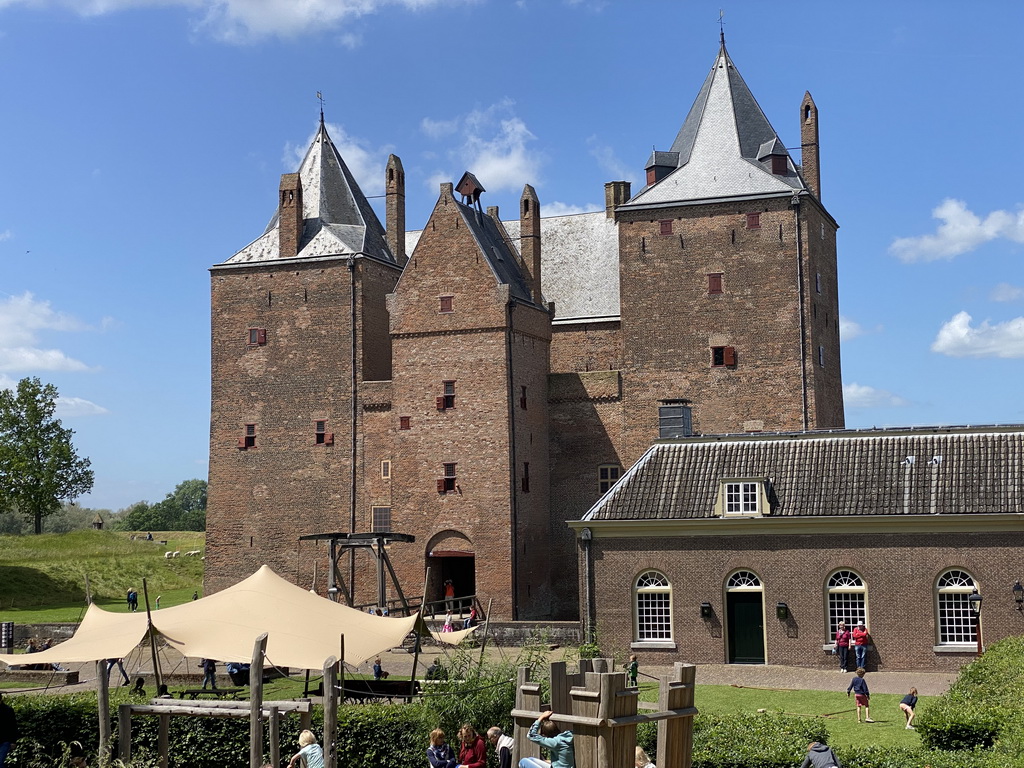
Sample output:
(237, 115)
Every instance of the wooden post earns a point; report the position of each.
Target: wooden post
(416, 634)
(528, 700)
(560, 688)
(274, 724)
(103, 710)
(487, 625)
(586, 703)
(124, 732)
(305, 719)
(256, 702)
(152, 636)
(675, 736)
(163, 739)
(330, 710)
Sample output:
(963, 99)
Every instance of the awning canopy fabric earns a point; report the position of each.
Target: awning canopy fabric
(303, 629)
(452, 638)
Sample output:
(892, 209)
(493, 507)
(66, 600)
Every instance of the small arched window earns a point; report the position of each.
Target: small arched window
(653, 606)
(744, 580)
(956, 621)
(847, 601)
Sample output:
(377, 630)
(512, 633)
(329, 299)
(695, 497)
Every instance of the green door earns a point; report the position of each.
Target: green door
(746, 627)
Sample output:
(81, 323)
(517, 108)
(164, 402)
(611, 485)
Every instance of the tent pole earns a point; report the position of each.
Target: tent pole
(103, 707)
(256, 702)
(382, 598)
(88, 590)
(483, 643)
(416, 632)
(152, 638)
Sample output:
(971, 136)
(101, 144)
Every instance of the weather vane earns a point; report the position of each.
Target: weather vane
(320, 96)
(721, 24)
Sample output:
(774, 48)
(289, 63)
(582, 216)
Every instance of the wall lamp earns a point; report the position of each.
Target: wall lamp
(1018, 595)
(782, 611)
(706, 611)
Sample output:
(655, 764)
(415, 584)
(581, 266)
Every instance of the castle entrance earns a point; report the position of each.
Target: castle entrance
(450, 558)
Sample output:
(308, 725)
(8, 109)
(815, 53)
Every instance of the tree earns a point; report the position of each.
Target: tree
(182, 510)
(39, 468)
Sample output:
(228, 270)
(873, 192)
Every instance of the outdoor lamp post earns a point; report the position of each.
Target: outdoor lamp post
(975, 602)
(1018, 595)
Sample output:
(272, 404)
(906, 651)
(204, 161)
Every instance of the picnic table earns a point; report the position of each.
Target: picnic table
(220, 693)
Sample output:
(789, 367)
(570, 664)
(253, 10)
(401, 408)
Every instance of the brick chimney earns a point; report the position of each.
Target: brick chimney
(529, 239)
(289, 216)
(615, 193)
(395, 186)
(809, 159)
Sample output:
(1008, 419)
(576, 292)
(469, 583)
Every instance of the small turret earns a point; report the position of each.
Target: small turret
(529, 239)
(289, 208)
(395, 215)
(809, 157)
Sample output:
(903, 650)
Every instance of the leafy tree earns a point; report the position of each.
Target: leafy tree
(39, 468)
(184, 509)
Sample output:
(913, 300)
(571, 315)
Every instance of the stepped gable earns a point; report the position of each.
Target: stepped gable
(961, 472)
(337, 218)
(724, 149)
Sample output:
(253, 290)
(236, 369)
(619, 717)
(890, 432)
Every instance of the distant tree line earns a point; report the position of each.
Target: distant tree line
(184, 509)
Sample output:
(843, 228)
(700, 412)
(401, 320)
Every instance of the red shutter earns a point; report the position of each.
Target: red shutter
(729, 355)
(440, 403)
(329, 438)
(440, 485)
(261, 336)
(241, 443)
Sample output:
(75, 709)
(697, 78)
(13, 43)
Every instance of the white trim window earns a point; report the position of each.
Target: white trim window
(744, 581)
(847, 601)
(741, 498)
(956, 620)
(653, 605)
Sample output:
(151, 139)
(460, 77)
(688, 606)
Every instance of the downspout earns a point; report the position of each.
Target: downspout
(354, 441)
(803, 317)
(512, 463)
(586, 535)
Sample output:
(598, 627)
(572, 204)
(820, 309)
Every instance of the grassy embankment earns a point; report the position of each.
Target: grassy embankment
(43, 578)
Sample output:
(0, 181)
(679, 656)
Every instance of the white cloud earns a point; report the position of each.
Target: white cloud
(849, 329)
(22, 319)
(565, 209)
(68, 407)
(5, 235)
(862, 396)
(1006, 292)
(961, 231)
(242, 21)
(367, 163)
(609, 162)
(958, 338)
(491, 143)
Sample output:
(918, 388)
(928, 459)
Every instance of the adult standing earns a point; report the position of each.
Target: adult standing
(8, 729)
(860, 644)
(472, 748)
(209, 673)
(119, 663)
(843, 646)
(449, 595)
(503, 746)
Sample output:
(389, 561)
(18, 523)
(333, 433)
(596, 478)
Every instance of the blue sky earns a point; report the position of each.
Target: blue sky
(142, 141)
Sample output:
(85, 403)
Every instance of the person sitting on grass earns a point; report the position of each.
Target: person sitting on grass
(311, 754)
(907, 705)
(820, 755)
(861, 694)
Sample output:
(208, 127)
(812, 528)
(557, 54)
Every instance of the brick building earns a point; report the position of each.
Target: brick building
(751, 549)
(492, 384)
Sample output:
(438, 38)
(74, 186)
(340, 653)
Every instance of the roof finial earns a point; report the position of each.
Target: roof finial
(721, 26)
(320, 96)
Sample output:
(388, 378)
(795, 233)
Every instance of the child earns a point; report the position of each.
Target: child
(558, 743)
(861, 695)
(642, 760)
(631, 670)
(907, 705)
(311, 755)
(439, 754)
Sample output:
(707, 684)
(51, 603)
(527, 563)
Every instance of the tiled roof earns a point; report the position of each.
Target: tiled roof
(960, 471)
(337, 219)
(720, 147)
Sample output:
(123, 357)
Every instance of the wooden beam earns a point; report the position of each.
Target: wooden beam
(330, 708)
(163, 740)
(274, 724)
(103, 711)
(259, 649)
(124, 732)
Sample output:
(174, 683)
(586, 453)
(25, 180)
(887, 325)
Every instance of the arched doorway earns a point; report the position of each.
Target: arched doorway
(744, 609)
(450, 557)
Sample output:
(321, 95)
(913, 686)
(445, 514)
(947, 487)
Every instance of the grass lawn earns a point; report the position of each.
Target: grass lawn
(838, 711)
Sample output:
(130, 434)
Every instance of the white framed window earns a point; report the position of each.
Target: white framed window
(385, 469)
(956, 619)
(741, 498)
(653, 605)
(744, 581)
(847, 601)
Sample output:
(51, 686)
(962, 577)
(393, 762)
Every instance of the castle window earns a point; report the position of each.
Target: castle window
(522, 398)
(447, 400)
(665, 227)
(526, 477)
(380, 519)
(956, 619)
(385, 469)
(741, 498)
(653, 606)
(715, 282)
(446, 483)
(323, 437)
(248, 438)
(847, 601)
(607, 474)
(821, 356)
(446, 304)
(754, 219)
(723, 357)
(779, 165)
(404, 422)
(817, 282)
(257, 337)
(675, 419)
(822, 230)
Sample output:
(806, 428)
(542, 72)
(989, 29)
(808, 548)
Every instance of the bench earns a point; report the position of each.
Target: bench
(220, 693)
(361, 690)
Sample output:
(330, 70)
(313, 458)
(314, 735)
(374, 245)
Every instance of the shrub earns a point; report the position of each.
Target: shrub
(753, 741)
(952, 725)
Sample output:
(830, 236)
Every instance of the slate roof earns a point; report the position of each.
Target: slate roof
(338, 220)
(579, 264)
(829, 474)
(720, 147)
(503, 260)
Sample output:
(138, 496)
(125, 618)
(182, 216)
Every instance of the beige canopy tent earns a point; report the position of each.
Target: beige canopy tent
(303, 629)
(452, 638)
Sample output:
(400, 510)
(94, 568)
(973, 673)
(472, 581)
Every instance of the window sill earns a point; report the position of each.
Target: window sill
(653, 645)
(956, 648)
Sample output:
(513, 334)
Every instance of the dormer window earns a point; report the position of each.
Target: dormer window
(779, 165)
(743, 497)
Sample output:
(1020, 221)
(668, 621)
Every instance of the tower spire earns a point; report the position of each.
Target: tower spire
(721, 26)
(321, 99)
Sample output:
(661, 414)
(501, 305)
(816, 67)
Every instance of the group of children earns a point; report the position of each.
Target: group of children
(862, 696)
